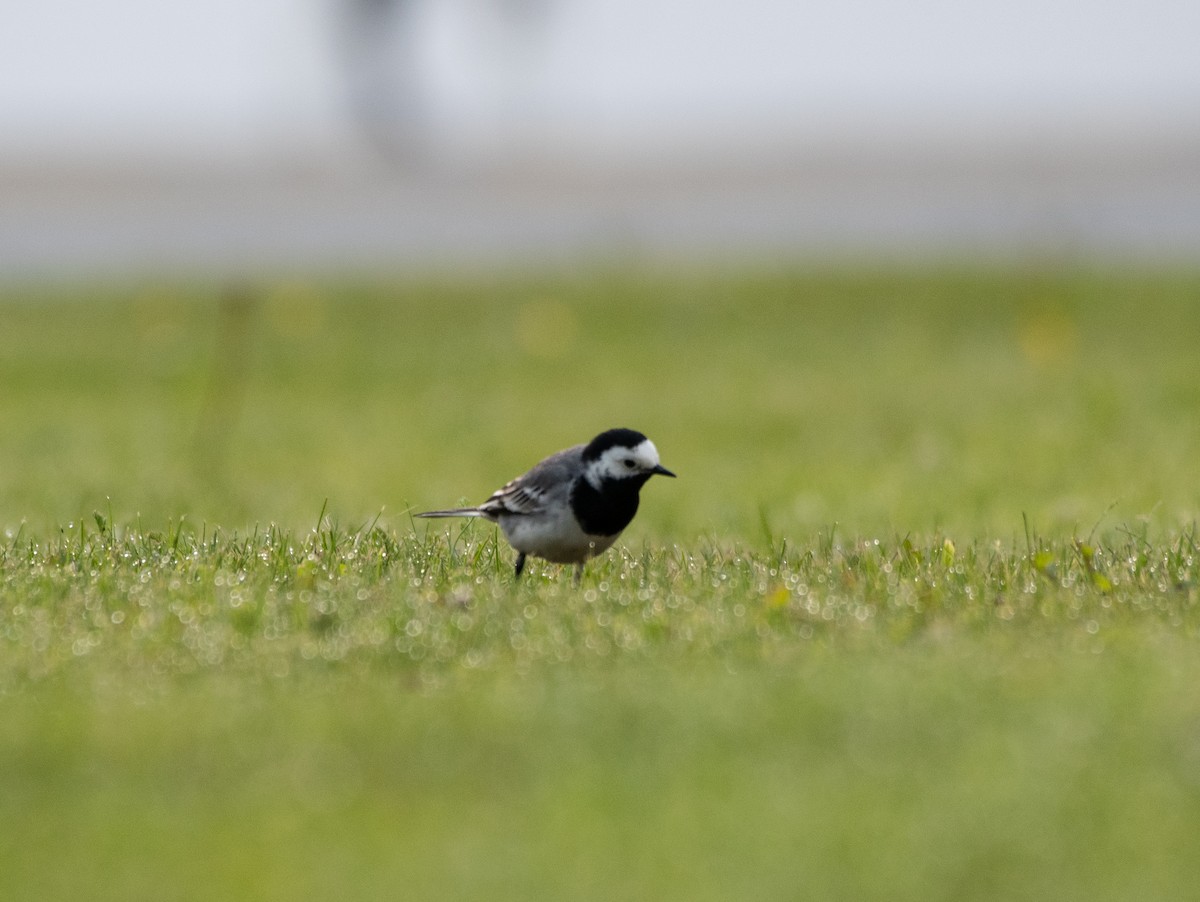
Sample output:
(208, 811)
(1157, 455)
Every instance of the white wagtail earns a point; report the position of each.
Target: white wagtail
(574, 504)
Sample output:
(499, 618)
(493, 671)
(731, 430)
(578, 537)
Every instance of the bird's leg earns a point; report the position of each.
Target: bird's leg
(520, 565)
(578, 575)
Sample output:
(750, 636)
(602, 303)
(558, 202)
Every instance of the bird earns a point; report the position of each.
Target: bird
(574, 504)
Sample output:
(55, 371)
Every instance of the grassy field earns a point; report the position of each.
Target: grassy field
(918, 620)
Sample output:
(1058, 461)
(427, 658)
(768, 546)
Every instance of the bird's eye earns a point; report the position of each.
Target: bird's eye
(629, 464)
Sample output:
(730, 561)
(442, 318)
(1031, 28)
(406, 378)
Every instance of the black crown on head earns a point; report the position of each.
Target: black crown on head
(612, 438)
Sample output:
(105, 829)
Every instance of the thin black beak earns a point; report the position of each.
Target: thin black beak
(663, 471)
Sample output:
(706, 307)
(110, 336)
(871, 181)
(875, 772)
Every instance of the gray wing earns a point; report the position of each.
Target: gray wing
(547, 483)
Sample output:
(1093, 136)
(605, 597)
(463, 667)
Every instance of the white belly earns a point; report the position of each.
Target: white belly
(556, 539)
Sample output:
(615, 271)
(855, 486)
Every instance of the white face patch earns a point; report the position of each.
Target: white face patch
(619, 463)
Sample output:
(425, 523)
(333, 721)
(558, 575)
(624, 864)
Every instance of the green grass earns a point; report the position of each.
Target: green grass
(919, 620)
(892, 402)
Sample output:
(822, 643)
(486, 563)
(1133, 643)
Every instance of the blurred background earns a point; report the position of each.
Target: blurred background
(235, 135)
(904, 267)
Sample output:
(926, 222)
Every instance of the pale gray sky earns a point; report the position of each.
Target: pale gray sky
(756, 128)
(255, 78)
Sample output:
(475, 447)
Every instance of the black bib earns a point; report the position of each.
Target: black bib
(608, 510)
